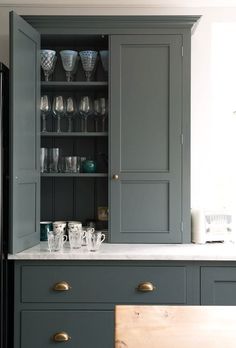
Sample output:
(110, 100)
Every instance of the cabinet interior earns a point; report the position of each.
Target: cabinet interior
(75, 196)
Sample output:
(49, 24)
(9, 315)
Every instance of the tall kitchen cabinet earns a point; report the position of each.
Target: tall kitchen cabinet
(146, 183)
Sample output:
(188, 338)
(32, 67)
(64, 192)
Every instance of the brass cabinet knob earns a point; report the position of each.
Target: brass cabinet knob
(146, 287)
(61, 286)
(61, 337)
(115, 177)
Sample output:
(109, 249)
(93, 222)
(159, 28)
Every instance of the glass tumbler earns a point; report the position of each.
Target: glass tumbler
(71, 164)
(53, 159)
(43, 159)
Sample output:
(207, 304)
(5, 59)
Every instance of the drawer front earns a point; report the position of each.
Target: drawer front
(218, 285)
(85, 329)
(107, 284)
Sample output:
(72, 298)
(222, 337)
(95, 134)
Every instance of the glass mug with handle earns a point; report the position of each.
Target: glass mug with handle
(56, 241)
(76, 237)
(94, 239)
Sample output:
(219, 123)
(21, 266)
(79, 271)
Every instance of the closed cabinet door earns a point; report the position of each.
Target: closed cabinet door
(218, 286)
(84, 329)
(146, 131)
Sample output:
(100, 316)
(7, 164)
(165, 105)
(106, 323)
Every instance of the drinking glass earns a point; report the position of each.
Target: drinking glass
(71, 164)
(104, 60)
(76, 238)
(96, 112)
(103, 112)
(43, 159)
(53, 159)
(48, 61)
(82, 160)
(70, 111)
(45, 109)
(94, 239)
(85, 109)
(69, 59)
(88, 59)
(56, 241)
(58, 109)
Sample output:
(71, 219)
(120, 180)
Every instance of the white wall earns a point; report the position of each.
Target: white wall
(213, 93)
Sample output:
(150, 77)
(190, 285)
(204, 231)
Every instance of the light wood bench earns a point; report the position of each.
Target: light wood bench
(175, 326)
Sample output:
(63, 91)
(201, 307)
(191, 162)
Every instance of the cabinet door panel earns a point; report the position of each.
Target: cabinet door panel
(86, 329)
(25, 122)
(146, 126)
(218, 286)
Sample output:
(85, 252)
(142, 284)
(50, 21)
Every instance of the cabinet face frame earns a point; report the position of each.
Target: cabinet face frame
(113, 25)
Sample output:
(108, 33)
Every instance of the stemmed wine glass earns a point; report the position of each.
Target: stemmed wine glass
(70, 111)
(96, 112)
(45, 109)
(48, 61)
(58, 109)
(69, 59)
(88, 59)
(85, 109)
(103, 112)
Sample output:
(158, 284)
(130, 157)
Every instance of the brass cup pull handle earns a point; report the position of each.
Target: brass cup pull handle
(115, 177)
(61, 337)
(61, 286)
(146, 287)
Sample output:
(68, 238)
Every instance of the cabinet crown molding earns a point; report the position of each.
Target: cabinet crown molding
(114, 22)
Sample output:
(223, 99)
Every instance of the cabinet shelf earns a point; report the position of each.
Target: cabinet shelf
(68, 86)
(74, 134)
(74, 175)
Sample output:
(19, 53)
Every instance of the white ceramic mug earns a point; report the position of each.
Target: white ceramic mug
(94, 240)
(56, 241)
(59, 227)
(75, 225)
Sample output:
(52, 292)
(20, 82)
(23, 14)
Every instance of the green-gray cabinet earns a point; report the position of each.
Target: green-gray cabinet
(25, 137)
(146, 133)
(82, 328)
(147, 183)
(78, 298)
(218, 285)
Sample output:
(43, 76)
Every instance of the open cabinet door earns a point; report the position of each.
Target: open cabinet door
(24, 135)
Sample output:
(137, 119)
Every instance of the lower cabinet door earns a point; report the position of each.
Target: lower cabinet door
(83, 329)
(218, 286)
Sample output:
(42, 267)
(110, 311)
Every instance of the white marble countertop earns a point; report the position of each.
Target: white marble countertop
(206, 252)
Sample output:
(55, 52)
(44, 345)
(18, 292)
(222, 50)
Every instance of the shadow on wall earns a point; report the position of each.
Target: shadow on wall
(4, 49)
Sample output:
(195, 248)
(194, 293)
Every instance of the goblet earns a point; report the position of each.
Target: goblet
(48, 61)
(96, 112)
(70, 111)
(45, 109)
(104, 60)
(69, 59)
(85, 109)
(104, 111)
(88, 59)
(58, 109)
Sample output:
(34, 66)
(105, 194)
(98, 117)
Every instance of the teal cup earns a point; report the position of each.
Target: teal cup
(89, 166)
(45, 227)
